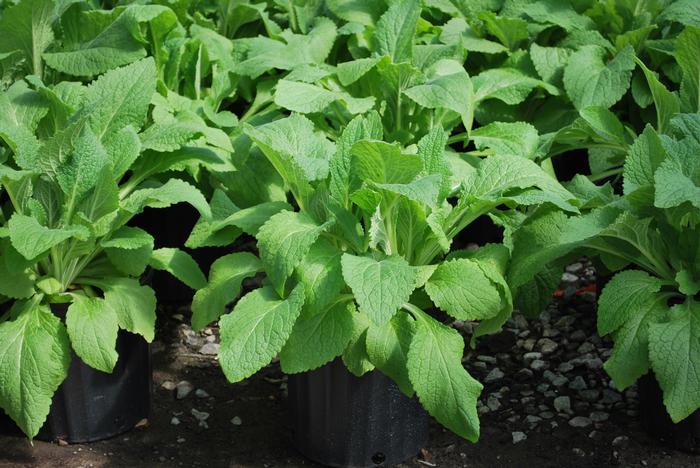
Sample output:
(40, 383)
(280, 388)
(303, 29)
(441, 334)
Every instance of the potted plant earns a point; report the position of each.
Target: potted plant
(649, 236)
(73, 345)
(356, 269)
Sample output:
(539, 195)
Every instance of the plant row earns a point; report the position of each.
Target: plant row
(354, 141)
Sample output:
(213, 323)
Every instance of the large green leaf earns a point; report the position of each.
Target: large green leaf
(120, 98)
(320, 273)
(396, 30)
(113, 47)
(93, 326)
(443, 386)
(508, 85)
(180, 264)
(318, 337)
(296, 151)
(256, 330)
(129, 249)
(225, 278)
(31, 239)
(450, 88)
(629, 304)
(34, 360)
(590, 81)
(461, 288)
(508, 139)
(26, 27)
(380, 287)
(15, 276)
(673, 347)
(283, 241)
(308, 98)
(134, 304)
(387, 348)
(21, 110)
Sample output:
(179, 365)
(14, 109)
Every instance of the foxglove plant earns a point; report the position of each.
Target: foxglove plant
(73, 175)
(355, 269)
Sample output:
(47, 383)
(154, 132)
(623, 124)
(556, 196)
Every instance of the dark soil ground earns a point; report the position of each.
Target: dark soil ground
(248, 427)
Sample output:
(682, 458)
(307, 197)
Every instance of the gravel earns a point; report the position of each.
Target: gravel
(183, 389)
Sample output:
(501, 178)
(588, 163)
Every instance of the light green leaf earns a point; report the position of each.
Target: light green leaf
(225, 278)
(686, 12)
(387, 348)
(134, 304)
(443, 386)
(320, 273)
(590, 81)
(496, 175)
(294, 148)
(120, 98)
(317, 338)
(396, 30)
(78, 172)
(672, 348)
(424, 190)
(355, 356)
(687, 46)
(622, 298)
(431, 149)
(31, 239)
(382, 162)
(174, 191)
(257, 329)
(26, 27)
(508, 139)
(129, 249)
(643, 159)
(550, 62)
(170, 136)
(678, 177)
(380, 286)
(359, 128)
(556, 12)
(461, 288)
(34, 360)
(21, 110)
(508, 85)
(113, 47)
(283, 241)
(509, 31)
(666, 102)
(350, 72)
(93, 326)
(179, 264)
(451, 91)
(308, 98)
(15, 275)
(630, 357)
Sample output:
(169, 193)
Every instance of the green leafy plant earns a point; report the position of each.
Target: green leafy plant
(650, 233)
(562, 76)
(74, 175)
(356, 268)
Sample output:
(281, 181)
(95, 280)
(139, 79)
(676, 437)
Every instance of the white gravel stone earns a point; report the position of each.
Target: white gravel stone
(518, 437)
(580, 421)
(562, 404)
(183, 388)
(494, 375)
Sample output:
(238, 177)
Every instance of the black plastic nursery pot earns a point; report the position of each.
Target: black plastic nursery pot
(342, 420)
(171, 227)
(655, 420)
(91, 405)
